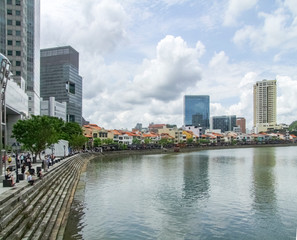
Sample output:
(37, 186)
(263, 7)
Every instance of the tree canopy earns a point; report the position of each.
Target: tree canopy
(293, 126)
(39, 132)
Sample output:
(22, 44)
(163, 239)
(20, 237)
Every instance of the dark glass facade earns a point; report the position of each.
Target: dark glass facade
(225, 123)
(59, 78)
(196, 111)
(2, 27)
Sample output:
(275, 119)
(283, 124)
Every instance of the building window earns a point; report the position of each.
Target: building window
(9, 2)
(18, 63)
(9, 12)
(17, 12)
(72, 88)
(30, 109)
(18, 23)
(18, 73)
(9, 42)
(18, 53)
(9, 22)
(30, 98)
(18, 33)
(18, 43)
(9, 52)
(9, 32)
(18, 2)
(71, 118)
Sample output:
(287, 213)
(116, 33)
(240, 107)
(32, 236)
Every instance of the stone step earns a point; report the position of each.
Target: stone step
(30, 212)
(46, 234)
(57, 208)
(30, 203)
(36, 212)
(60, 225)
(46, 217)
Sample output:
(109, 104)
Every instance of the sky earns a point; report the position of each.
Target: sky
(138, 58)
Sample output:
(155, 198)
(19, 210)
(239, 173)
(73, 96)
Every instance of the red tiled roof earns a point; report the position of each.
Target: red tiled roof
(157, 125)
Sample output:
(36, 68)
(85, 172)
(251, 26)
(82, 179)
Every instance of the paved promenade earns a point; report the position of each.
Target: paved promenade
(22, 183)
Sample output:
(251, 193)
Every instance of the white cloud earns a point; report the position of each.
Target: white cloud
(287, 99)
(175, 68)
(291, 5)
(278, 31)
(101, 30)
(235, 9)
(133, 73)
(155, 91)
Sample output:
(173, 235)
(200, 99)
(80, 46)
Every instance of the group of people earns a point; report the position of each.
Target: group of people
(26, 168)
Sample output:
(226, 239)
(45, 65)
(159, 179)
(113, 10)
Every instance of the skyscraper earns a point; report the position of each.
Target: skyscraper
(225, 123)
(265, 105)
(19, 41)
(241, 122)
(196, 111)
(59, 78)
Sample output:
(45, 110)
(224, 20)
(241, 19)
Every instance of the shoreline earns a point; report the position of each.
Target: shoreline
(106, 154)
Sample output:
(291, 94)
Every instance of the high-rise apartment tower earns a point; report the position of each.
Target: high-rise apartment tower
(265, 105)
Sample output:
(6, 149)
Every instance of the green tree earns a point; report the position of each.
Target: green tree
(293, 128)
(97, 142)
(37, 133)
(108, 141)
(189, 140)
(70, 129)
(136, 141)
(77, 142)
(204, 141)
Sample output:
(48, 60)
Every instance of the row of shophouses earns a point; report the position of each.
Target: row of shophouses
(179, 135)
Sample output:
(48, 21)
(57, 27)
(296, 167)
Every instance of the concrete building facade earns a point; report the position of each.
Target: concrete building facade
(265, 105)
(53, 108)
(241, 122)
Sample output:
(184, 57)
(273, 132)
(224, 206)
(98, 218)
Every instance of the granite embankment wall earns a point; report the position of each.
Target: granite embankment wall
(40, 211)
(185, 149)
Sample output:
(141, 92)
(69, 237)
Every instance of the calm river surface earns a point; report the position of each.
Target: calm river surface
(247, 193)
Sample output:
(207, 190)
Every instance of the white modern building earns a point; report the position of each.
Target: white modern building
(16, 106)
(53, 108)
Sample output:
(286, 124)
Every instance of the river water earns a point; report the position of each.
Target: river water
(247, 193)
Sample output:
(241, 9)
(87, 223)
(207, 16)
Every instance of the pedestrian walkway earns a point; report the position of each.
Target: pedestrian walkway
(22, 183)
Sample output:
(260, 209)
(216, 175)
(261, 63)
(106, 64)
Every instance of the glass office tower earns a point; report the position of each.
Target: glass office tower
(196, 111)
(225, 123)
(19, 41)
(59, 78)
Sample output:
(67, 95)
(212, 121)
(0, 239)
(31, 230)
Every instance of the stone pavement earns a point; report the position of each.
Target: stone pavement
(21, 183)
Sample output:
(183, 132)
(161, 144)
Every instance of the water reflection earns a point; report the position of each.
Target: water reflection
(224, 194)
(196, 181)
(264, 179)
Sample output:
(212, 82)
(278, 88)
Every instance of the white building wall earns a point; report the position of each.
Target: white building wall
(16, 98)
(53, 108)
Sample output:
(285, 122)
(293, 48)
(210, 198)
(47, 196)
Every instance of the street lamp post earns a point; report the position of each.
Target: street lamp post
(4, 77)
(16, 148)
(64, 151)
